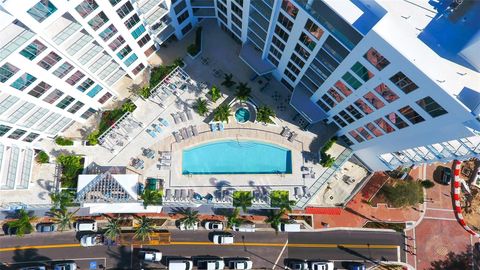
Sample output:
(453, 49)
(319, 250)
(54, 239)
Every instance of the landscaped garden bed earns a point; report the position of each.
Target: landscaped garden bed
(399, 227)
(72, 166)
(399, 193)
(195, 48)
(63, 141)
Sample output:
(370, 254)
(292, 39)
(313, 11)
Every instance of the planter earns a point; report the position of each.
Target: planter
(197, 44)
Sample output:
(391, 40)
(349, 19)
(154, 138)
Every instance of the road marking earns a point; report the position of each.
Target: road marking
(398, 254)
(41, 247)
(438, 218)
(131, 256)
(280, 255)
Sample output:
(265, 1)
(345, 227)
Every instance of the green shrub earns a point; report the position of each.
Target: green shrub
(327, 160)
(158, 74)
(92, 138)
(63, 141)
(428, 184)
(42, 157)
(214, 93)
(192, 49)
(328, 144)
(403, 193)
(72, 166)
(129, 106)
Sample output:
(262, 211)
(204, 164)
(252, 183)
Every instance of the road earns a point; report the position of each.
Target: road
(267, 250)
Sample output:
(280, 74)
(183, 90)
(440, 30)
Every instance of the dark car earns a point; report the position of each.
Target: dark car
(446, 176)
(356, 266)
(46, 227)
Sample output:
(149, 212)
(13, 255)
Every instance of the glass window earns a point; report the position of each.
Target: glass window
(53, 96)
(181, 6)
(144, 40)
(7, 103)
(355, 135)
(307, 41)
(150, 50)
(98, 21)
(31, 137)
(124, 52)
(374, 130)
(280, 45)
(328, 100)
(293, 68)
(290, 8)
(40, 89)
(339, 121)
(182, 17)
(364, 133)
(23, 81)
(85, 84)
(132, 58)
(302, 52)
(42, 10)
(94, 91)
(75, 107)
(289, 75)
(374, 100)
(281, 33)
(272, 59)
(287, 23)
(7, 71)
(411, 115)
(431, 107)
(235, 9)
(65, 102)
(346, 116)
(20, 112)
(124, 10)
(354, 112)
(75, 78)
(346, 140)
(86, 7)
(297, 60)
(33, 50)
(363, 106)
(386, 93)
(50, 60)
(396, 120)
(88, 113)
(114, 2)
(17, 134)
(351, 80)
(343, 88)
(132, 21)
(138, 31)
(403, 82)
(313, 29)
(104, 98)
(335, 95)
(4, 129)
(362, 71)
(63, 70)
(116, 43)
(34, 117)
(109, 32)
(138, 68)
(376, 59)
(384, 125)
(322, 105)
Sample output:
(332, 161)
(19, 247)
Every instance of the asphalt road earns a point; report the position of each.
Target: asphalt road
(266, 249)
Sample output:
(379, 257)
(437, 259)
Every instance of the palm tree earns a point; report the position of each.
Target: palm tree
(23, 223)
(128, 106)
(190, 217)
(61, 200)
(144, 229)
(242, 199)
(63, 218)
(222, 113)
(275, 219)
(228, 82)
(280, 199)
(178, 62)
(264, 114)
(201, 106)
(243, 92)
(151, 197)
(232, 218)
(113, 229)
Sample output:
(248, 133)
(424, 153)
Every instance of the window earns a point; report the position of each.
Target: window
(363, 106)
(109, 32)
(86, 7)
(150, 50)
(181, 18)
(374, 130)
(40, 89)
(411, 115)
(98, 21)
(17, 134)
(343, 88)
(50, 60)
(313, 29)
(362, 71)
(7, 103)
(181, 6)
(374, 100)
(236, 9)
(236, 21)
(124, 10)
(114, 2)
(20, 112)
(384, 125)
(396, 120)
(354, 112)
(187, 28)
(85, 84)
(328, 100)
(138, 68)
(431, 107)
(335, 95)
(76, 107)
(273, 60)
(132, 58)
(94, 91)
(351, 80)
(293, 68)
(76, 77)
(285, 21)
(346, 116)
(116, 43)
(339, 121)
(346, 140)
(31, 137)
(278, 43)
(222, 18)
(386, 93)
(144, 40)
(356, 136)
(376, 59)
(34, 117)
(88, 113)
(33, 50)
(63, 70)
(42, 10)
(364, 133)
(7, 71)
(302, 52)
(124, 52)
(138, 31)
(297, 60)
(65, 102)
(290, 8)
(290, 75)
(23, 81)
(223, 9)
(132, 21)
(307, 41)
(104, 98)
(53, 96)
(403, 82)
(282, 34)
(4, 129)
(287, 84)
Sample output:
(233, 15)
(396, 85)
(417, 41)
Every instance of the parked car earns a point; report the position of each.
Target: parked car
(240, 264)
(320, 265)
(46, 227)
(446, 176)
(211, 264)
(91, 240)
(64, 266)
(297, 264)
(214, 225)
(223, 238)
(356, 266)
(86, 226)
(33, 267)
(180, 265)
(184, 227)
(244, 227)
(289, 227)
(150, 255)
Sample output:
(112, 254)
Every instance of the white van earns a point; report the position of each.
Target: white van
(86, 226)
(180, 265)
(246, 227)
(224, 238)
(289, 227)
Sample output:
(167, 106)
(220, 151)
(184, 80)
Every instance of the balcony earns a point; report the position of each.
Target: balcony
(204, 12)
(160, 26)
(156, 15)
(148, 6)
(262, 8)
(165, 34)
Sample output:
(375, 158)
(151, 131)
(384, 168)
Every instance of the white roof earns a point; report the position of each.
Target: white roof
(128, 182)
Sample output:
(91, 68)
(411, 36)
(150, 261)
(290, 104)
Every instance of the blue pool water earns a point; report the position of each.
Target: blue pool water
(242, 115)
(236, 157)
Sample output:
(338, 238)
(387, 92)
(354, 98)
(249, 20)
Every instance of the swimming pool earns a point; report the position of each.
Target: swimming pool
(236, 157)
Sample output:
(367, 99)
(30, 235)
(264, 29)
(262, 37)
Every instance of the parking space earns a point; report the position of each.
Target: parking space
(82, 263)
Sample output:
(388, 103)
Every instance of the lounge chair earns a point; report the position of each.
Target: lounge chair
(151, 133)
(194, 130)
(285, 132)
(189, 114)
(182, 116)
(292, 137)
(183, 195)
(220, 126)
(176, 195)
(306, 192)
(183, 131)
(164, 122)
(177, 137)
(175, 118)
(157, 128)
(256, 196)
(213, 127)
(168, 194)
(296, 193)
(189, 132)
(190, 194)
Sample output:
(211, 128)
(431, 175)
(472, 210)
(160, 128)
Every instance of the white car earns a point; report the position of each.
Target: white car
(297, 265)
(86, 226)
(240, 264)
(212, 264)
(320, 265)
(184, 227)
(150, 255)
(180, 265)
(214, 225)
(223, 238)
(65, 266)
(91, 240)
(39, 267)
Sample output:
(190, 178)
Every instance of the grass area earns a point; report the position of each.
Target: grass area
(402, 193)
(399, 227)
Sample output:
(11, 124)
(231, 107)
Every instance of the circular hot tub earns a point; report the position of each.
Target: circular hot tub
(242, 115)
